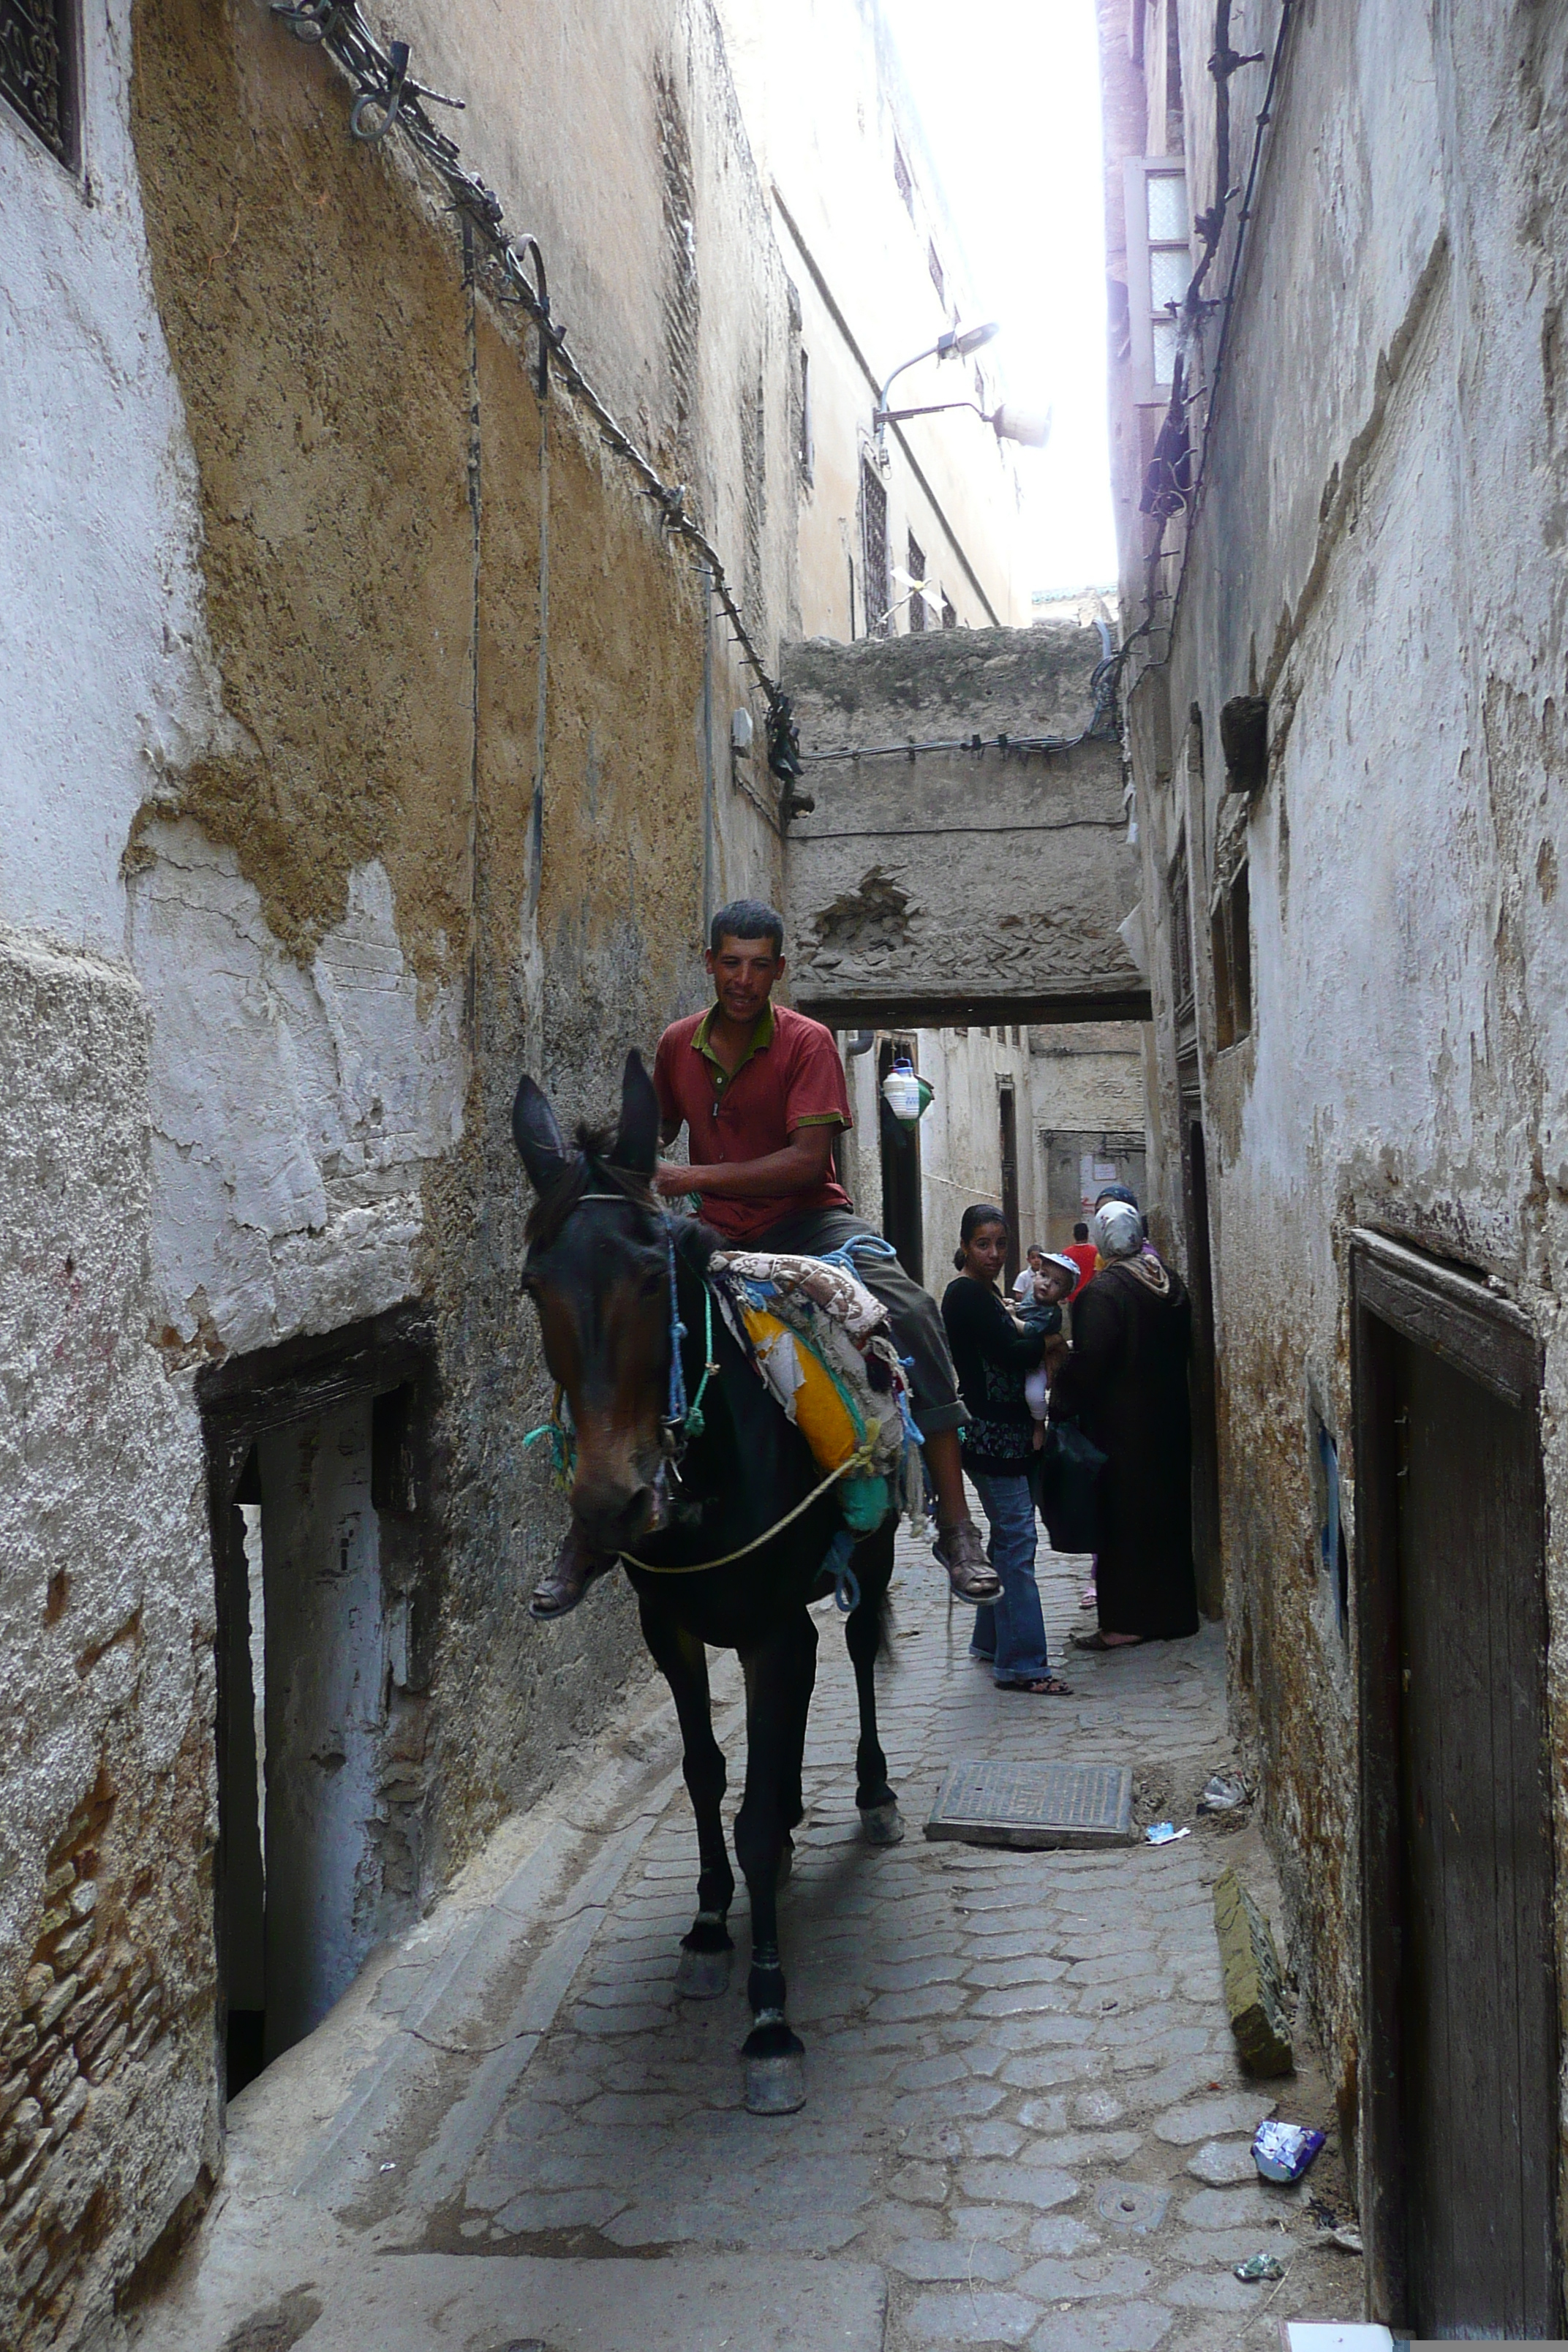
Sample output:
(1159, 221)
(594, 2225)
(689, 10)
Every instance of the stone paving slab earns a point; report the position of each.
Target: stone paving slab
(1025, 2125)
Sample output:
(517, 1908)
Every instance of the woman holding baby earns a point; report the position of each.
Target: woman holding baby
(996, 1357)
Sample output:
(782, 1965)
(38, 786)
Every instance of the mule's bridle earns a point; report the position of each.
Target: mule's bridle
(685, 1418)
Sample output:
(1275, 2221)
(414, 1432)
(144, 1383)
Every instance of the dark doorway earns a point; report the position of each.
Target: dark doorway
(1008, 1111)
(1460, 2117)
(323, 1621)
(1204, 1377)
(903, 1220)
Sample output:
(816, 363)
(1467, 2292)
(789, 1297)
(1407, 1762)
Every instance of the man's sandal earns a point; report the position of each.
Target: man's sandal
(960, 1551)
(1050, 1686)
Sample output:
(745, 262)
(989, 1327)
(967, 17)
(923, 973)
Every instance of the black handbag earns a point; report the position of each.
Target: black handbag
(1068, 1487)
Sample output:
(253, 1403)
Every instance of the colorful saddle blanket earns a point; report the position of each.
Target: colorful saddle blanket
(823, 1346)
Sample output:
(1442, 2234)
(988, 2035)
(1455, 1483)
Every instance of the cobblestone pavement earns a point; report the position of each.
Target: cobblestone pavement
(1025, 2127)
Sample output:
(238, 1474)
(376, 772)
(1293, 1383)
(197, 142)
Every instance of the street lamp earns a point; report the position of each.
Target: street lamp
(953, 345)
(1030, 428)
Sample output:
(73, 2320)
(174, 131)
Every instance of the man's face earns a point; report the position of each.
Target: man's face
(744, 974)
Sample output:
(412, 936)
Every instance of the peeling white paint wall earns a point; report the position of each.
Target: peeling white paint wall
(105, 676)
(294, 1113)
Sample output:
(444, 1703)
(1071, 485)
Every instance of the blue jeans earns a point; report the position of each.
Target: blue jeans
(1012, 1635)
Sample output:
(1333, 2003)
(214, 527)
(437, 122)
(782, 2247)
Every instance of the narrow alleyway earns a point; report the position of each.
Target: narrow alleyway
(1025, 2125)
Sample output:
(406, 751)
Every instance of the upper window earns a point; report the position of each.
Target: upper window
(1230, 938)
(874, 549)
(937, 278)
(38, 71)
(1159, 266)
(917, 591)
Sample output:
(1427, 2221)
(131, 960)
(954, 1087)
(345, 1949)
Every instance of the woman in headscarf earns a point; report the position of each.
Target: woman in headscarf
(994, 1358)
(1126, 1382)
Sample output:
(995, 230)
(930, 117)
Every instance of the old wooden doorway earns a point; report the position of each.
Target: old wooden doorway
(1460, 2106)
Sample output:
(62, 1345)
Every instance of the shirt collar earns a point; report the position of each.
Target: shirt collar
(761, 1038)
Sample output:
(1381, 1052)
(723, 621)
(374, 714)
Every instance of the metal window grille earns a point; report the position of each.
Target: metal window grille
(903, 179)
(39, 70)
(874, 548)
(949, 613)
(933, 263)
(917, 593)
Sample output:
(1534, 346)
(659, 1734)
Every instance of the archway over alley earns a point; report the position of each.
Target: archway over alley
(966, 856)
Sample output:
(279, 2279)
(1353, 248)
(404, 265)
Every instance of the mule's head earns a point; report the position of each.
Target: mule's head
(598, 1272)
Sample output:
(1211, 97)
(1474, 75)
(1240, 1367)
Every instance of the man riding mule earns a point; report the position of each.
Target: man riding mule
(684, 1468)
(760, 1093)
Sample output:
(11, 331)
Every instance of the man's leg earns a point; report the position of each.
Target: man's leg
(919, 1335)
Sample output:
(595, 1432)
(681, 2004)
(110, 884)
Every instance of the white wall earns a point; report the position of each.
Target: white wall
(104, 673)
(295, 1111)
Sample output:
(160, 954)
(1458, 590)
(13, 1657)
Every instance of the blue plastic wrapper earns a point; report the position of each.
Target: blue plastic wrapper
(1283, 2151)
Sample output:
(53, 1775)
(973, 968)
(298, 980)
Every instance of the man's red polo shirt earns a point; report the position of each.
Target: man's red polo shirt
(791, 1077)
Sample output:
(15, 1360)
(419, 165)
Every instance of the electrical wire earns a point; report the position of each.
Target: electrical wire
(385, 98)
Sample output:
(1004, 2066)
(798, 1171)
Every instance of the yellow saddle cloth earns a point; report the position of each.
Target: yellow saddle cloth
(801, 1339)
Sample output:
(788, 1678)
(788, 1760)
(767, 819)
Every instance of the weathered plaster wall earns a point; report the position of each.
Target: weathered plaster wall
(108, 2101)
(373, 469)
(1086, 1074)
(961, 1134)
(929, 888)
(1380, 551)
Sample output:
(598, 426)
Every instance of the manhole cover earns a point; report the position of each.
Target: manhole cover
(1034, 1804)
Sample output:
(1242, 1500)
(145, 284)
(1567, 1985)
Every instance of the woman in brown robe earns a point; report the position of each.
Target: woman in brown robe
(1127, 1384)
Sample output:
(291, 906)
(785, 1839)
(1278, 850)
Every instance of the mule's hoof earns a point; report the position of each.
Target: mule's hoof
(775, 2086)
(702, 1976)
(882, 1824)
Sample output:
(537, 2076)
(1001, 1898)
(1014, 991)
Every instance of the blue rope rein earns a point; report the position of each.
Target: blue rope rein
(684, 1419)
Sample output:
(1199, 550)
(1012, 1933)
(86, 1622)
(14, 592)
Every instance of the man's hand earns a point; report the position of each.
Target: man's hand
(673, 1183)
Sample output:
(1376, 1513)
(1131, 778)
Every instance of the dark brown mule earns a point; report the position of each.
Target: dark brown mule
(602, 1257)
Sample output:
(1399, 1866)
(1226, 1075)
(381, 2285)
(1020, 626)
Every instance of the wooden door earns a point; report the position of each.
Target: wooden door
(1479, 1991)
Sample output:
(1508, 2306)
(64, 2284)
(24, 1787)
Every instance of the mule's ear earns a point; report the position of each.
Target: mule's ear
(636, 1138)
(536, 1135)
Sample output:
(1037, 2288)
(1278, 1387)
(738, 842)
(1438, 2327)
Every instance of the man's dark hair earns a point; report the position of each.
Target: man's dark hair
(1080, 1233)
(747, 918)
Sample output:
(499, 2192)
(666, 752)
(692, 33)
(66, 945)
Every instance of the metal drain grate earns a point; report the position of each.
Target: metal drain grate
(1034, 1804)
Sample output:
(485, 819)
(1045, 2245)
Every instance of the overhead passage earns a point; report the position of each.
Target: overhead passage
(966, 859)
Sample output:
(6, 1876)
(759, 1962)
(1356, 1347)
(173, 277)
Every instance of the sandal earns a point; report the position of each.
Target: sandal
(1098, 1641)
(1048, 1687)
